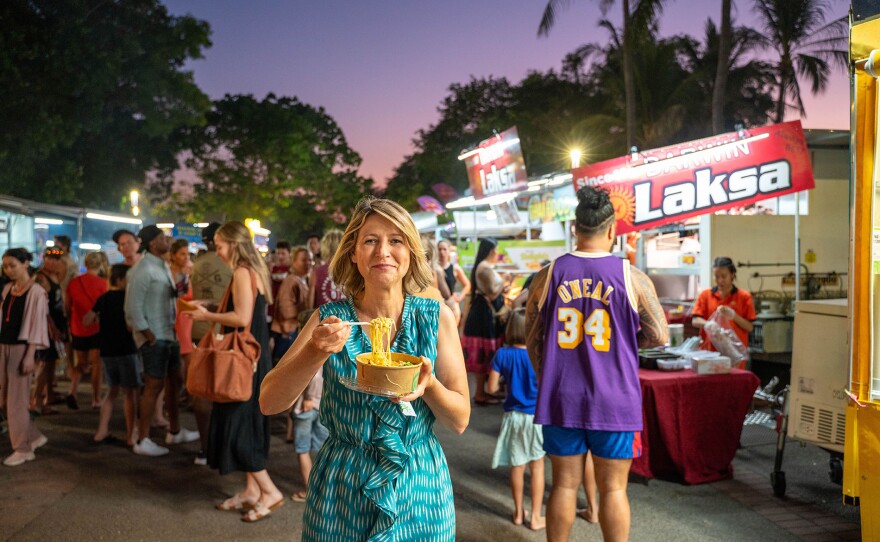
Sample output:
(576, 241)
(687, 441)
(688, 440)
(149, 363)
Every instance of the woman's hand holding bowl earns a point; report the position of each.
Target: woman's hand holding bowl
(426, 380)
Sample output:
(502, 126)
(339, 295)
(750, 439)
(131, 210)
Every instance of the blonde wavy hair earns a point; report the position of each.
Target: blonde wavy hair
(345, 272)
(99, 261)
(244, 253)
(329, 243)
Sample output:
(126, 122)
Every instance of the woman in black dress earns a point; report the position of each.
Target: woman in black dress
(238, 438)
(482, 336)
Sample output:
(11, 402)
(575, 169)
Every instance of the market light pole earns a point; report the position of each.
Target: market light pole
(575, 155)
(134, 196)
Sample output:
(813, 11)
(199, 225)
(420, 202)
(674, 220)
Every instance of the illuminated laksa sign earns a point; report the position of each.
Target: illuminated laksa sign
(677, 182)
(496, 165)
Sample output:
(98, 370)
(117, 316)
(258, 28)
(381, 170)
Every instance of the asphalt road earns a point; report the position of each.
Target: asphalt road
(76, 490)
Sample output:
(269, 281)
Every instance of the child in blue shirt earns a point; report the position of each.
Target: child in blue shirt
(520, 442)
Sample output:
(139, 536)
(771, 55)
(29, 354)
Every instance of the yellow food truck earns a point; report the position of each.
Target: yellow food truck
(861, 482)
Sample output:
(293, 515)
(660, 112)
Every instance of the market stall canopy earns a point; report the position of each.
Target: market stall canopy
(486, 224)
(426, 222)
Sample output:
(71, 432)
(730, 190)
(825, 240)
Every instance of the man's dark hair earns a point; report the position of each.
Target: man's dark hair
(315, 235)
(64, 241)
(209, 231)
(594, 212)
(283, 244)
(117, 273)
(119, 233)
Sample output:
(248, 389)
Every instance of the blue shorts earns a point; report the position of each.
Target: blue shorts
(160, 359)
(122, 371)
(604, 444)
(309, 433)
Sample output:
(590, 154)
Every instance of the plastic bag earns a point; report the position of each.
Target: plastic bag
(719, 330)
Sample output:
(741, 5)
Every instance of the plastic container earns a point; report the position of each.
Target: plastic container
(676, 335)
(711, 365)
(678, 364)
(388, 380)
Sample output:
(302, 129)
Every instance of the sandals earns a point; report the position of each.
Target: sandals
(489, 401)
(299, 496)
(259, 511)
(236, 503)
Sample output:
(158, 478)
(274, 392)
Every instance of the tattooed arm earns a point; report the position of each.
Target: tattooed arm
(534, 324)
(654, 330)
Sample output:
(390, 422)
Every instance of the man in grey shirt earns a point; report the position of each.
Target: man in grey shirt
(150, 311)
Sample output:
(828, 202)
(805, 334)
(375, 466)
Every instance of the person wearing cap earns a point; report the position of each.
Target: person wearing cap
(209, 279)
(150, 312)
(128, 245)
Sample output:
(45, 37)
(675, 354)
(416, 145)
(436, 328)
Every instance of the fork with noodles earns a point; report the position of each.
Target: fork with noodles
(381, 330)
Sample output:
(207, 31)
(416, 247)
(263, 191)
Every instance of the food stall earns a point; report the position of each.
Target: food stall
(670, 196)
(861, 474)
(35, 224)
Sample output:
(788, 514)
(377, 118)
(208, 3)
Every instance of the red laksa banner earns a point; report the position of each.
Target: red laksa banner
(673, 183)
(496, 165)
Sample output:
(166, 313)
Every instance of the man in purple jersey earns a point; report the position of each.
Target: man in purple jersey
(587, 314)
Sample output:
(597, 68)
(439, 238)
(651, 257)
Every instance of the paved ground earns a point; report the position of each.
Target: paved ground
(79, 491)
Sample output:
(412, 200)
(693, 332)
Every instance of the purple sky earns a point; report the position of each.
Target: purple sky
(380, 69)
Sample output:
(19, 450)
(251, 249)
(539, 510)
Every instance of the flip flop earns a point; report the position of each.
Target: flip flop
(259, 511)
(489, 401)
(299, 496)
(234, 504)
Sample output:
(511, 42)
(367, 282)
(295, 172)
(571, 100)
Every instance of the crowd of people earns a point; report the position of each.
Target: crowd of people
(563, 361)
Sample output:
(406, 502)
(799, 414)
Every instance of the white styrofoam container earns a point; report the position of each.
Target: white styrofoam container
(711, 365)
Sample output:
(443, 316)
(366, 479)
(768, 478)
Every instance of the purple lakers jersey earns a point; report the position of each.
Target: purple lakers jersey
(590, 375)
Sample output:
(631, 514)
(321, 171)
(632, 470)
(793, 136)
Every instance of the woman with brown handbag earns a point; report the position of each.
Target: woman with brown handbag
(238, 438)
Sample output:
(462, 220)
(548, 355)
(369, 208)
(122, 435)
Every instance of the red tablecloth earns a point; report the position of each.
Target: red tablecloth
(692, 424)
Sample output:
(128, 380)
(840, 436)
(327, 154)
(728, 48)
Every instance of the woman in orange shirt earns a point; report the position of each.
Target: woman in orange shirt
(736, 303)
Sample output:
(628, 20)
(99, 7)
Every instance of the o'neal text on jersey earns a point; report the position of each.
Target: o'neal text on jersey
(584, 288)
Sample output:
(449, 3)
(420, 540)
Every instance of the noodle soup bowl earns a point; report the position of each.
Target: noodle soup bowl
(389, 379)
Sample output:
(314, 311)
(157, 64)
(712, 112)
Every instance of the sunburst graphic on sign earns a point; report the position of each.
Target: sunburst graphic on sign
(624, 203)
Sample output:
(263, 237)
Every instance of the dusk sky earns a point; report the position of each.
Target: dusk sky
(381, 69)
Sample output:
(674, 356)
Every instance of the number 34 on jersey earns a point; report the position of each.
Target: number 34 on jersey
(597, 326)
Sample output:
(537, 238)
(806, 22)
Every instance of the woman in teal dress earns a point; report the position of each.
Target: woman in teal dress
(381, 475)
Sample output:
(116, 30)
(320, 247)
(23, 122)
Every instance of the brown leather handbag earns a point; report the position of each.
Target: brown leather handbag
(222, 367)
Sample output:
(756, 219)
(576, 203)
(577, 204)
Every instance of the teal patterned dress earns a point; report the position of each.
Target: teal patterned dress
(380, 475)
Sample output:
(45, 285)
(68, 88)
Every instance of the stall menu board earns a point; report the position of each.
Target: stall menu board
(496, 165)
(670, 184)
(515, 252)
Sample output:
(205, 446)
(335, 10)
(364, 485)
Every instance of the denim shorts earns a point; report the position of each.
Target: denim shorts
(122, 371)
(161, 358)
(605, 444)
(308, 433)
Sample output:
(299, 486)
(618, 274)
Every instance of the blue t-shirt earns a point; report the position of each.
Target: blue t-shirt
(514, 365)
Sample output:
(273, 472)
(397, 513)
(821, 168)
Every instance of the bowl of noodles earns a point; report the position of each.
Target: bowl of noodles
(385, 372)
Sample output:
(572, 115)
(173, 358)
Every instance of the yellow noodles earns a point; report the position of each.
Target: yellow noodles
(380, 337)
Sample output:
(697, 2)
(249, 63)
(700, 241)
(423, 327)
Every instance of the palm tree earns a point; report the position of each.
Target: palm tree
(645, 11)
(808, 48)
(747, 92)
(720, 88)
